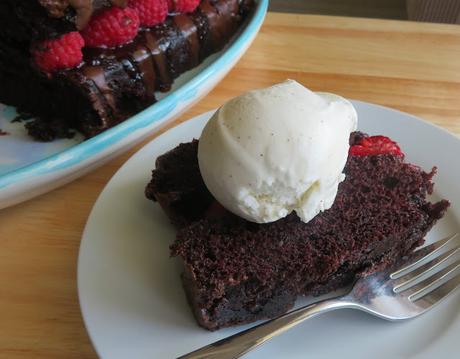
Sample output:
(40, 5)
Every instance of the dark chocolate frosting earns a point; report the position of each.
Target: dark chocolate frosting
(83, 8)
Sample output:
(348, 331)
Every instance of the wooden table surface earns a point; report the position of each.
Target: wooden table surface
(414, 67)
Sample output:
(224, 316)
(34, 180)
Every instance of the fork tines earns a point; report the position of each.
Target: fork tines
(430, 273)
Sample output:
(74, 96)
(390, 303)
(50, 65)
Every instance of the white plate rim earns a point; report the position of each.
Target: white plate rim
(85, 235)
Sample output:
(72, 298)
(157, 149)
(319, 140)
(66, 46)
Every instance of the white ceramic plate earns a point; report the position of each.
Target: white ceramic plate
(131, 295)
(29, 168)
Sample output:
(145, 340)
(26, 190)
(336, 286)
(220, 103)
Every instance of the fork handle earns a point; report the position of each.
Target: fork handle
(240, 343)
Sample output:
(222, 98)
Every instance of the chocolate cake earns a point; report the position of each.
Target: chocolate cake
(238, 271)
(110, 83)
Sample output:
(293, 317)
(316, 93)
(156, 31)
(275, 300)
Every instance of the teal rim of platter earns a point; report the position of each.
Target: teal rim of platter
(152, 114)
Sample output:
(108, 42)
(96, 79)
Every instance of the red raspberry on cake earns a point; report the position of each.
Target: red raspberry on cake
(375, 145)
(151, 12)
(64, 52)
(170, 6)
(183, 6)
(112, 27)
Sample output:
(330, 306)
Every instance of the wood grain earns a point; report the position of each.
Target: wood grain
(413, 67)
(382, 9)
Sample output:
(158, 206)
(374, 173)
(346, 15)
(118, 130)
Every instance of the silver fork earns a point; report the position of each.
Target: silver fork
(408, 289)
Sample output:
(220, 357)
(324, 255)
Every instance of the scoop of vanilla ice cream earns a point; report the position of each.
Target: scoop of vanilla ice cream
(276, 150)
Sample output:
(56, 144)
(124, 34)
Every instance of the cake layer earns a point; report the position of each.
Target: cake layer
(238, 272)
(24, 21)
(178, 187)
(113, 84)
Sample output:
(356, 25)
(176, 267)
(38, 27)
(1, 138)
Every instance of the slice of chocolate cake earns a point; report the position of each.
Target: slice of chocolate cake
(237, 271)
(91, 86)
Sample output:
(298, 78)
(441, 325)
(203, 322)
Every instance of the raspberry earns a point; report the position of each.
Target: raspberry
(151, 12)
(112, 27)
(183, 6)
(375, 145)
(170, 6)
(58, 54)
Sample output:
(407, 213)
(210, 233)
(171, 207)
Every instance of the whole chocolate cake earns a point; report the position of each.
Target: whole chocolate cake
(237, 271)
(90, 64)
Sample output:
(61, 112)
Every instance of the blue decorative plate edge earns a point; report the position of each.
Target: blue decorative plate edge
(154, 113)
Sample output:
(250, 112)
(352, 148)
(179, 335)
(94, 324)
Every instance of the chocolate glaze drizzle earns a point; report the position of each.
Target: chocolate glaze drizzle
(126, 78)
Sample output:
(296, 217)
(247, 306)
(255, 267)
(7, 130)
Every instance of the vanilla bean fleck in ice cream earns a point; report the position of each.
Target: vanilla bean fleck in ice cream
(276, 150)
